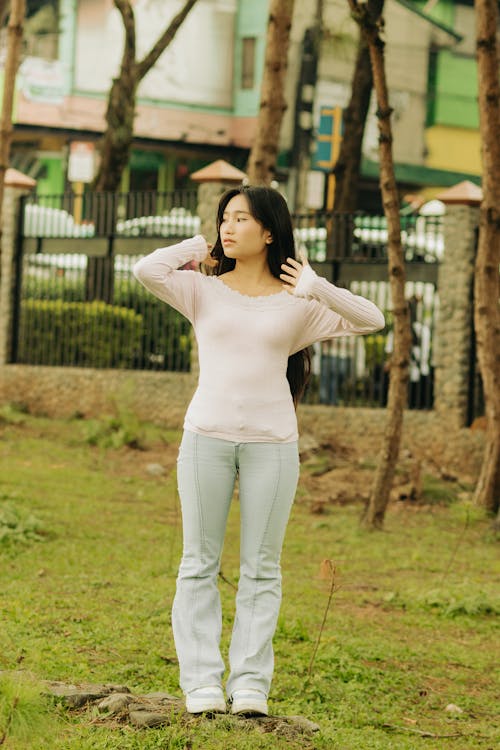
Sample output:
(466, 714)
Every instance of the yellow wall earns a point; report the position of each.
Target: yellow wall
(456, 149)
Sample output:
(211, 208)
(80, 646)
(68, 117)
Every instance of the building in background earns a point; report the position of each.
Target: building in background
(432, 81)
(198, 103)
(201, 100)
(452, 124)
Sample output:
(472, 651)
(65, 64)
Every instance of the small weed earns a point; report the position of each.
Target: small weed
(17, 525)
(293, 632)
(456, 603)
(435, 491)
(319, 464)
(12, 414)
(23, 711)
(116, 432)
(122, 428)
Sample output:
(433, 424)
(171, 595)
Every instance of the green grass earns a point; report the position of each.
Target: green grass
(86, 586)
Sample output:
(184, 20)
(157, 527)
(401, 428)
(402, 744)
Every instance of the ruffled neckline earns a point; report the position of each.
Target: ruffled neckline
(263, 299)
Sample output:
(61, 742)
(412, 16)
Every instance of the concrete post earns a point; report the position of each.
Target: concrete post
(455, 326)
(16, 185)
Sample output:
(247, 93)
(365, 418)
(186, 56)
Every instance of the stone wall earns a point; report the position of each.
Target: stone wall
(454, 330)
(69, 391)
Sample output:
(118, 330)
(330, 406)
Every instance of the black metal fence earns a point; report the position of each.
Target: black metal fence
(68, 215)
(59, 326)
(355, 370)
(360, 238)
(63, 319)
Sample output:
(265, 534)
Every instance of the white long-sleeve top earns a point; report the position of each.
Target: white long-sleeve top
(244, 342)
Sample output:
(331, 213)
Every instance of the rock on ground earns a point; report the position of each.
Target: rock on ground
(118, 703)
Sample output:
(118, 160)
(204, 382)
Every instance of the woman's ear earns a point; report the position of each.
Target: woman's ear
(269, 239)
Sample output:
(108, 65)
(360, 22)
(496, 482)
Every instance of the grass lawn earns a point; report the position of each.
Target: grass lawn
(89, 546)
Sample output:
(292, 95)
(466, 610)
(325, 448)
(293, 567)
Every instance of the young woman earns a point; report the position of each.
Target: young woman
(253, 320)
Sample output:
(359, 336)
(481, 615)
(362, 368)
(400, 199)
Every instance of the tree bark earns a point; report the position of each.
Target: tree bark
(398, 385)
(486, 278)
(348, 166)
(12, 58)
(120, 113)
(119, 134)
(263, 155)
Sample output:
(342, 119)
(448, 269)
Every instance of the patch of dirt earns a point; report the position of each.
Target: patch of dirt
(341, 447)
(339, 450)
(130, 462)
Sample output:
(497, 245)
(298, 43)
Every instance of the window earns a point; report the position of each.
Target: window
(248, 62)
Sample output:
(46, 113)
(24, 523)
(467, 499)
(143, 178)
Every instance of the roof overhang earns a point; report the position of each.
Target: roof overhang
(445, 34)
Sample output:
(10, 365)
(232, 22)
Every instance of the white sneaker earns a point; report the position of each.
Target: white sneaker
(206, 699)
(249, 701)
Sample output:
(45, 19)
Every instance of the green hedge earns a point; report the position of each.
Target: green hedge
(166, 334)
(88, 334)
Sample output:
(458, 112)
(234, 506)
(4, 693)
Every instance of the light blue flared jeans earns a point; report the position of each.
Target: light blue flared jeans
(207, 469)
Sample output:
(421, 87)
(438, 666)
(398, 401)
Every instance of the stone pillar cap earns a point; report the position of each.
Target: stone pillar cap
(465, 193)
(14, 178)
(219, 171)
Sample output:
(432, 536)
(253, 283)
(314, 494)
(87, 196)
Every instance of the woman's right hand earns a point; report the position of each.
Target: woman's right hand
(208, 260)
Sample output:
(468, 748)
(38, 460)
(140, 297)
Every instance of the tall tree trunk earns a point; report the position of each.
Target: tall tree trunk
(263, 155)
(398, 386)
(348, 166)
(12, 58)
(486, 279)
(119, 133)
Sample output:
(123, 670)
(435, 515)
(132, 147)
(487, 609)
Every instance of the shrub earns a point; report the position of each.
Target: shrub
(89, 334)
(165, 341)
(17, 525)
(375, 354)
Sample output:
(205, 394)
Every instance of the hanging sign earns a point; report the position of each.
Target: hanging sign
(81, 163)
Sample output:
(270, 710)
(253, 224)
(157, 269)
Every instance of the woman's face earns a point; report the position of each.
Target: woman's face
(242, 236)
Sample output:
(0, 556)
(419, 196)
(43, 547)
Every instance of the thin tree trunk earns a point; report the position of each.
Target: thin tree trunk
(120, 113)
(348, 166)
(263, 155)
(398, 386)
(13, 56)
(486, 279)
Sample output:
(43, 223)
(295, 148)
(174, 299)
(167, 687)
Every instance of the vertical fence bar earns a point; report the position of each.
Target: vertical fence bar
(18, 282)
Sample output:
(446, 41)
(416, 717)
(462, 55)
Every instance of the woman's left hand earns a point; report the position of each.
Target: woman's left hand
(292, 271)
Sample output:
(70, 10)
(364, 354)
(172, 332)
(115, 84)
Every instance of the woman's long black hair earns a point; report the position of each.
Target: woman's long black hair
(269, 208)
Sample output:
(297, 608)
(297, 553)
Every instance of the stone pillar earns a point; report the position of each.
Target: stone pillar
(16, 185)
(455, 325)
(213, 180)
